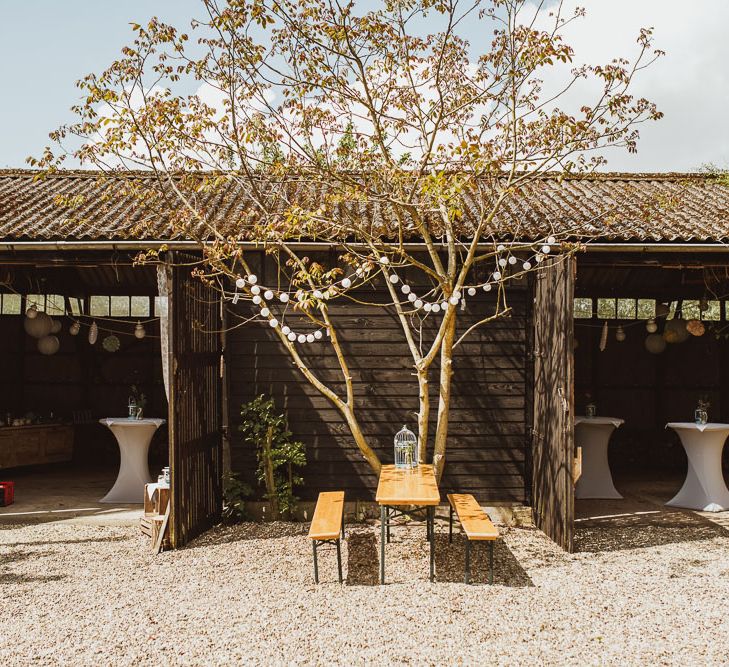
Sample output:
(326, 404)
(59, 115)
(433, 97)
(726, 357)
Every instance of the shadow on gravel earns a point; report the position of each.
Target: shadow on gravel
(225, 534)
(643, 529)
(363, 559)
(450, 561)
(15, 557)
(90, 540)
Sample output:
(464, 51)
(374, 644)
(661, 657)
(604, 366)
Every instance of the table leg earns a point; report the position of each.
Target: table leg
(383, 518)
(431, 523)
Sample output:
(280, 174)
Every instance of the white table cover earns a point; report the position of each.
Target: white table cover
(133, 437)
(704, 488)
(593, 435)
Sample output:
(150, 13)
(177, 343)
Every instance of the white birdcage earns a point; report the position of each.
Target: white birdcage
(406, 449)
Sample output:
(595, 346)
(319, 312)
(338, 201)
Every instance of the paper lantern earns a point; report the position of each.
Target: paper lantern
(655, 343)
(651, 326)
(38, 326)
(56, 326)
(139, 331)
(620, 334)
(93, 333)
(675, 331)
(695, 327)
(48, 345)
(74, 329)
(32, 312)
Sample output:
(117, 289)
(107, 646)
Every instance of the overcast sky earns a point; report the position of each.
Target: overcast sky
(46, 45)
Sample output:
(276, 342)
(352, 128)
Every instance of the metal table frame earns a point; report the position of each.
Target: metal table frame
(388, 512)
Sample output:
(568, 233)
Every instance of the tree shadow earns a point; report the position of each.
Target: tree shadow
(363, 558)
(15, 557)
(450, 562)
(249, 530)
(89, 540)
(643, 529)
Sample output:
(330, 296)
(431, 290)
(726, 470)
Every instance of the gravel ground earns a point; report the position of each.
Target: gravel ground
(646, 588)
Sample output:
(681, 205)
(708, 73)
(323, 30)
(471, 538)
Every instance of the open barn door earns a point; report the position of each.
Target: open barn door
(553, 491)
(195, 402)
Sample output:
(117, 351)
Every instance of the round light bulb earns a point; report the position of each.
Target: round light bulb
(405, 289)
(502, 262)
(318, 294)
(256, 299)
(394, 278)
(436, 308)
(539, 258)
(240, 283)
(301, 338)
(501, 247)
(444, 306)
(546, 249)
(285, 329)
(428, 307)
(346, 283)
(318, 334)
(273, 323)
(384, 260)
(252, 279)
(265, 312)
(512, 260)
(412, 297)
(310, 338)
(418, 303)
(471, 291)
(487, 287)
(283, 297)
(255, 289)
(268, 295)
(497, 275)
(291, 336)
(453, 301)
(526, 266)
(551, 240)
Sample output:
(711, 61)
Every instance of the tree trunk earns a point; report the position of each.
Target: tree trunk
(270, 481)
(423, 415)
(444, 397)
(360, 439)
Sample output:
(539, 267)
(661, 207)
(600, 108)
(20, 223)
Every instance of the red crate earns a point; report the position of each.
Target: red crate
(7, 493)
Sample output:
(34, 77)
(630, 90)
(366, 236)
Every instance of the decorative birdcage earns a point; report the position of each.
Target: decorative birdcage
(406, 449)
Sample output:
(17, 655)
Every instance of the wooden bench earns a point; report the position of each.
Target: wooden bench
(476, 525)
(327, 526)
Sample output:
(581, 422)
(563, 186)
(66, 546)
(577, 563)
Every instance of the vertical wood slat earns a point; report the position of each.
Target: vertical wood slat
(195, 403)
(553, 432)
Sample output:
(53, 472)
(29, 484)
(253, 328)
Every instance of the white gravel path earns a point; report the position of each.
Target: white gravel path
(642, 591)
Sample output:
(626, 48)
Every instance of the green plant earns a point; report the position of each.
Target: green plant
(235, 492)
(279, 455)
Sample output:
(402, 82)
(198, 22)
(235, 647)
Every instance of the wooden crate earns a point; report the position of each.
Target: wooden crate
(155, 508)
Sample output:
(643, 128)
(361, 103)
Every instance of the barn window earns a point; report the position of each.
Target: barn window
(626, 309)
(606, 309)
(55, 304)
(11, 304)
(583, 308)
(139, 306)
(712, 312)
(99, 306)
(646, 309)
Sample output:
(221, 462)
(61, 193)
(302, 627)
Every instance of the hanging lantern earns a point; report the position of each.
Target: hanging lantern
(655, 343)
(406, 443)
(651, 326)
(695, 327)
(74, 328)
(139, 331)
(620, 334)
(93, 332)
(604, 336)
(56, 326)
(49, 345)
(38, 326)
(32, 312)
(704, 304)
(675, 331)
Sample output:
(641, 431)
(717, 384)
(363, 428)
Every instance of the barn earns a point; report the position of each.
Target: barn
(576, 340)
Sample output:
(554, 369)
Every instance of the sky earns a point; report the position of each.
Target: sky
(46, 45)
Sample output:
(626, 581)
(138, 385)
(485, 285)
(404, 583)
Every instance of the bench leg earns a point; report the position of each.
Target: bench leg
(468, 561)
(450, 523)
(343, 535)
(339, 560)
(387, 524)
(316, 565)
(431, 523)
(383, 518)
(491, 562)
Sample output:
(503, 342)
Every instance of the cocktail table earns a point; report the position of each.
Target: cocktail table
(593, 435)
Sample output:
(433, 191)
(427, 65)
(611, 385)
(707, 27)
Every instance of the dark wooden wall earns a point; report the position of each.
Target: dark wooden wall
(487, 438)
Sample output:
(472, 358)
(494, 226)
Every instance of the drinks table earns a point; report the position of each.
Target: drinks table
(593, 435)
(133, 437)
(704, 488)
(412, 488)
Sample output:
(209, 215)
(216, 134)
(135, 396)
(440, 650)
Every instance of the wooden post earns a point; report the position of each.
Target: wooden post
(270, 483)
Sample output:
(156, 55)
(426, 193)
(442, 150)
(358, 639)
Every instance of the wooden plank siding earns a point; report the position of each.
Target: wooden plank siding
(487, 435)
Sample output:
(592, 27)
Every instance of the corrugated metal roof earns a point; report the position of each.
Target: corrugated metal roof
(80, 206)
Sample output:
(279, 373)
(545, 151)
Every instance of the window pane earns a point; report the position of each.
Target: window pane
(672, 310)
(140, 306)
(11, 304)
(712, 312)
(77, 305)
(55, 304)
(120, 306)
(583, 308)
(99, 305)
(606, 309)
(626, 309)
(39, 300)
(646, 309)
(690, 310)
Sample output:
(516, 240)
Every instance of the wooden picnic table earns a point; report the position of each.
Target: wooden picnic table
(413, 488)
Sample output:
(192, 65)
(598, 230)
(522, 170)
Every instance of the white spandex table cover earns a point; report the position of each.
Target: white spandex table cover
(133, 436)
(704, 488)
(593, 435)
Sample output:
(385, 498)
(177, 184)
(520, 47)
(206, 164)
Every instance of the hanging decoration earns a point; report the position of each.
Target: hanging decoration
(93, 333)
(651, 326)
(604, 336)
(38, 326)
(32, 312)
(139, 331)
(620, 334)
(655, 343)
(56, 326)
(675, 331)
(74, 328)
(695, 327)
(111, 343)
(49, 345)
